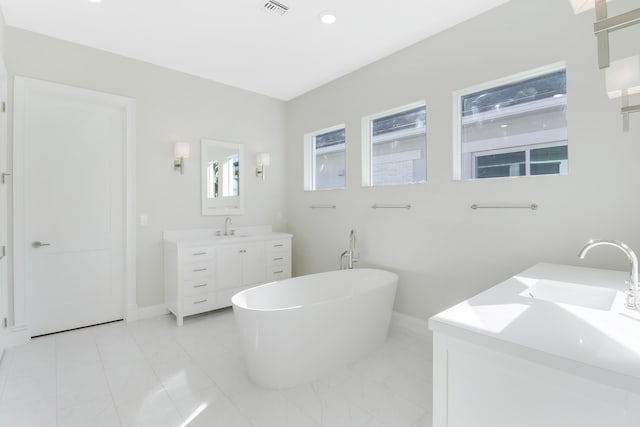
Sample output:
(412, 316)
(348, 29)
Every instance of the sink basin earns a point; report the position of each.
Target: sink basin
(595, 297)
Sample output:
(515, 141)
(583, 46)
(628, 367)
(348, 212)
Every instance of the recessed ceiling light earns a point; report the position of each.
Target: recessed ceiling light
(558, 95)
(328, 17)
(504, 126)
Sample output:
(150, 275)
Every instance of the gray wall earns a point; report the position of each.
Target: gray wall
(443, 250)
(171, 106)
(3, 25)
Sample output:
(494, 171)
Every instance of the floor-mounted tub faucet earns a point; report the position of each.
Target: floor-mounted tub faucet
(347, 258)
(631, 301)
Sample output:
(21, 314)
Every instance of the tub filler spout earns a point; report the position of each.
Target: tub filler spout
(347, 258)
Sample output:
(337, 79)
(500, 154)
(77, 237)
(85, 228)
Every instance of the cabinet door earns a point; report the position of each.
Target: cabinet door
(254, 264)
(488, 388)
(229, 267)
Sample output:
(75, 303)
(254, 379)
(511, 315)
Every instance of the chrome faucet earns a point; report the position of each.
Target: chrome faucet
(227, 223)
(631, 301)
(347, 258)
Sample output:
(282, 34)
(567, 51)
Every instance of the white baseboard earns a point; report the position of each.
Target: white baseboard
(152, 311)
(15, 335)
(410, 323)
(132, 313)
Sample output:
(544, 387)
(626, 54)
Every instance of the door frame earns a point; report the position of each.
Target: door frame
(22, 85)
(4, 212)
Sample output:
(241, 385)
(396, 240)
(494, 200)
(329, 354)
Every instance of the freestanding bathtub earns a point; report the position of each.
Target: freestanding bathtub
(296, 330)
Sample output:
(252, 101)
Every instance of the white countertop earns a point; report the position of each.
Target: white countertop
(207, 237)
(570, 318)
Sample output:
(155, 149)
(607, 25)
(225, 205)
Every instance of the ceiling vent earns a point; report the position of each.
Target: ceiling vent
(275, 7)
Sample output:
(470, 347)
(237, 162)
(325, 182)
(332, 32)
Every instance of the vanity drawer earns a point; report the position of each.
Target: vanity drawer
(279, 258)
(278, 272)
(197, 270)
(278, 245)
(198, 254)
(198, 303)
(198, 287)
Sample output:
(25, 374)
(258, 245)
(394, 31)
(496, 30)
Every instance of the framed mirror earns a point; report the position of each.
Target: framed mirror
(222, 178)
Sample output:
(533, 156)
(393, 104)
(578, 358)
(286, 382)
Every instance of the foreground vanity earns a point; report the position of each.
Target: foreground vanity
(553, 346)
(203, 270)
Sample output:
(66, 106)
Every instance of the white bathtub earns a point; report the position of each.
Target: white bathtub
(299, 329)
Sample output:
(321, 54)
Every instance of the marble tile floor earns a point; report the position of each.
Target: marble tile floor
(153, 373)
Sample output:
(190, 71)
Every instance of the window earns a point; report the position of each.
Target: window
(325, 159)
(514, 127)
(394, 146)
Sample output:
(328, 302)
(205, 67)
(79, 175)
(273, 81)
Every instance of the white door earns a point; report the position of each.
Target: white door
(71, 226)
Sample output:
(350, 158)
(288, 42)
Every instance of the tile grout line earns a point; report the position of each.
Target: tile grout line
(160, 382)
(222, 391)
(104, 373)
(55, 368)
(5, 363)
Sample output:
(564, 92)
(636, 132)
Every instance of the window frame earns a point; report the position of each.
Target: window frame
(527, 157)
(367, 142)
(310, 158)
(458, 167)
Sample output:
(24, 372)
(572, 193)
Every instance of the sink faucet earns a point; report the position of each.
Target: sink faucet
(632, 290)
(350, 256)
(227, 223)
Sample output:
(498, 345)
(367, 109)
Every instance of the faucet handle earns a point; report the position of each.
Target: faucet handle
(631, 299)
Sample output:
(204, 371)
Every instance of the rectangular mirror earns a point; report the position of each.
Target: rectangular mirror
(222, 178)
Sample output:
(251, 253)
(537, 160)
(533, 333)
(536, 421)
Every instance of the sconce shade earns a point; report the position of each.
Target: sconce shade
(181, 150)
(580, 6)
(263, 159)
(623, 74)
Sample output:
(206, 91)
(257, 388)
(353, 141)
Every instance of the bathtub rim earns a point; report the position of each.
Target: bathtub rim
(299, 307)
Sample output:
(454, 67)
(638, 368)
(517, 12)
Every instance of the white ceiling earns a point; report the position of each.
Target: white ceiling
(239, 42)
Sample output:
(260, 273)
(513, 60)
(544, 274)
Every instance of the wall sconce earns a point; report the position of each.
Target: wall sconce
(262, 160)
(606, 24)
(180, 152)
(623, 79)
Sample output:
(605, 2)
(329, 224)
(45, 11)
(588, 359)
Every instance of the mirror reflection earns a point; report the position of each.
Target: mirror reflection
(223, 177)
(221, 172)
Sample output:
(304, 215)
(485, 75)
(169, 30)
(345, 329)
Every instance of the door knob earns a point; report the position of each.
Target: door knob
(37, 244)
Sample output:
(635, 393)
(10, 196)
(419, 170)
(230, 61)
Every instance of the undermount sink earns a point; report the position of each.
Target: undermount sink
(595, 297)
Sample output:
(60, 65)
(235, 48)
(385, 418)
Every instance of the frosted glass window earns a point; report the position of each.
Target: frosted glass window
(514, 127)
(325, 163)
(395, 145)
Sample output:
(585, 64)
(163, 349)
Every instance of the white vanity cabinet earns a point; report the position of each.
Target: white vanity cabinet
(239, 266)
(202, 274)
(278, 259)
(552, 346)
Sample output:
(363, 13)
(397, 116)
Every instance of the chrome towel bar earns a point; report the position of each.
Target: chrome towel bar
(322, 206)
(531, 206)
(391, 206)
